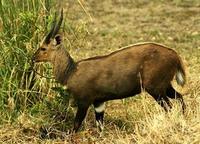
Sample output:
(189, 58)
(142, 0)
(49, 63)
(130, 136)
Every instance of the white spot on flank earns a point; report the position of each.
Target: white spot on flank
(100, 108)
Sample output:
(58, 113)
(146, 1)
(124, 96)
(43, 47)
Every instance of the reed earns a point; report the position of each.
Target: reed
(21, 24)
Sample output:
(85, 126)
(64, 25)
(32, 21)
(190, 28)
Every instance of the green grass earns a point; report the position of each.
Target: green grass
(18, 28)
(33, 111)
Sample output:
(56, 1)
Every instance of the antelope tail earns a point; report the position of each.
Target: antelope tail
(180, 74)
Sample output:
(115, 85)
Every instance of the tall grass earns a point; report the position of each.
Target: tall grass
(22, 25)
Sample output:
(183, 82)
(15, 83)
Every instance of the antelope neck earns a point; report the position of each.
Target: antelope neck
(63, 66)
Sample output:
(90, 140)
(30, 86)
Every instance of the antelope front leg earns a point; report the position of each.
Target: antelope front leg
(80, 115)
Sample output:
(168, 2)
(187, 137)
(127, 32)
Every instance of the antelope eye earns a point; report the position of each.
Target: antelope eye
(42, 49)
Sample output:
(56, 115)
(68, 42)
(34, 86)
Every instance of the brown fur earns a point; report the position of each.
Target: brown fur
(118, 75)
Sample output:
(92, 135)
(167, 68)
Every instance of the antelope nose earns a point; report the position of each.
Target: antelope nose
(33, 58)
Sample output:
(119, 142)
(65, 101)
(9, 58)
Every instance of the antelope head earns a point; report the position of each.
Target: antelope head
(51, 43)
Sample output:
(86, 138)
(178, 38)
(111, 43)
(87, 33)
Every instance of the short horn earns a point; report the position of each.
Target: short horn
(49, 35)
(58, 24)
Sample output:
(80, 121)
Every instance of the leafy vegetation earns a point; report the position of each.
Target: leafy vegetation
(36, 109)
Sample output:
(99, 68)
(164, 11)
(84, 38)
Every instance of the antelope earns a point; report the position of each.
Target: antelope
(123, 73)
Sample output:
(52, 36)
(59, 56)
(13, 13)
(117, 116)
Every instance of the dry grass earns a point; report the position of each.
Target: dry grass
(139, 119)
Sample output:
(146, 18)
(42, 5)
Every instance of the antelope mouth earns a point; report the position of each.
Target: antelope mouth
(35, 60)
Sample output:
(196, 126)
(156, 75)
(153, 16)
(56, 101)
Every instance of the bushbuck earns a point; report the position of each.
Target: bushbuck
(120, 74)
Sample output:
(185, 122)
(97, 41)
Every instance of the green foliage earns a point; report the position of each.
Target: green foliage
(54, 115)
(22, 23)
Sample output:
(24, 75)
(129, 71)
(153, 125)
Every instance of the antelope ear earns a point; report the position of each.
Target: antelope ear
(57, 39)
